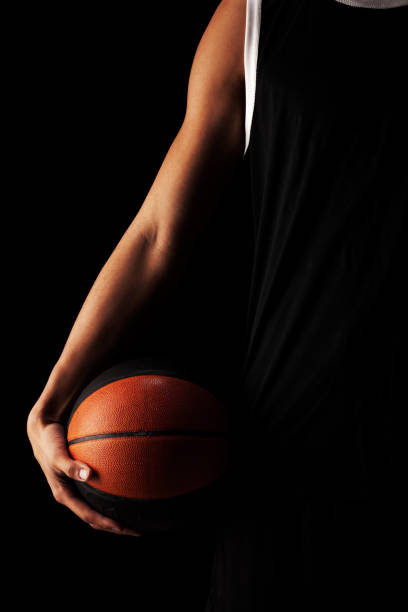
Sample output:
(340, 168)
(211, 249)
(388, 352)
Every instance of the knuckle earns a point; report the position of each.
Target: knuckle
(61, 469)
(56, 459)
(58, 495)
(70, 471)
(95, 526)
(55, 465)
(89, 519)
(57, 473)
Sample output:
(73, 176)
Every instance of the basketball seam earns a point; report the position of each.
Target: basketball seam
(132, 434)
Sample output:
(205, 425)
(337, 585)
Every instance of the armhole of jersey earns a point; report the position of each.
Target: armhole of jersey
(252, 29)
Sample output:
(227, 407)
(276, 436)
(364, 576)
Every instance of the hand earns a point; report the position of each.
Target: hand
(50, 449)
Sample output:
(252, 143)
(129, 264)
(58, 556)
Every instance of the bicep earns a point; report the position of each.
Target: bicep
(216, 86)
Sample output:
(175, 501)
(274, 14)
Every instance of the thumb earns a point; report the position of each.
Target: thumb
(74, 469)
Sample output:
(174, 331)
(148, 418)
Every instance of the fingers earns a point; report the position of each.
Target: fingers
(66, 495)
(71, 468)
(60, 469)
(64, 465)
(59, 457)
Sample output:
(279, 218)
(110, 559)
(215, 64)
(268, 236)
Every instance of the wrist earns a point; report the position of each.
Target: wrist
(56, 397)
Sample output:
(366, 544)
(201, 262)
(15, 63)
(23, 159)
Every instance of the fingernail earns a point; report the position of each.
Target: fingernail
(83, 474)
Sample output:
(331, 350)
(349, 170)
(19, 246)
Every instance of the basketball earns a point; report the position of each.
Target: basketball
(155, 437)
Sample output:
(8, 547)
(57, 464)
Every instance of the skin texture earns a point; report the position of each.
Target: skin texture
(150, 254)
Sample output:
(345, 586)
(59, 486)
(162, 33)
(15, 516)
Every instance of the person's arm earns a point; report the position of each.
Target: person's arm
(205, 151)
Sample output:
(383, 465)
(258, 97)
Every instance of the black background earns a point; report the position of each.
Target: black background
(99, 94)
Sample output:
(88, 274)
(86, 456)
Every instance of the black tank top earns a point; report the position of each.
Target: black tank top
(329, 182)
(322, 393)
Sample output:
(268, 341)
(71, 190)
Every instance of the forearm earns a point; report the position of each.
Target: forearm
(134, 273)
(149, 256)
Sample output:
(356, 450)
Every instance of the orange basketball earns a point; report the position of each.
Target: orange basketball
(155, 438)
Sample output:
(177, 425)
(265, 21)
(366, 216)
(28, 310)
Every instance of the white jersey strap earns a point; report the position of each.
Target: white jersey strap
(379, 4)
(252, 29)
